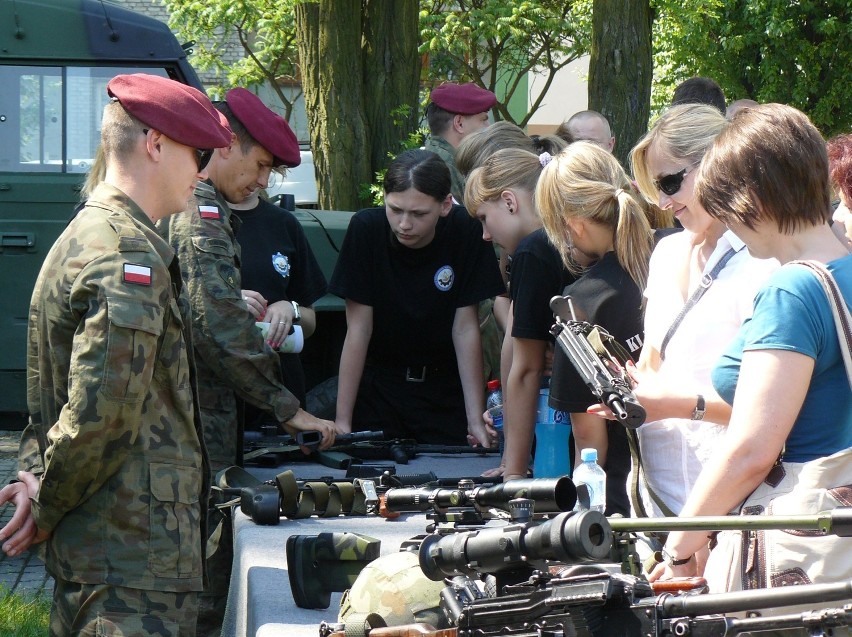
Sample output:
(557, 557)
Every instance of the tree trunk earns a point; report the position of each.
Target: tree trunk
(307, 31)
(391, 75)
(620, 69)
(338, 133)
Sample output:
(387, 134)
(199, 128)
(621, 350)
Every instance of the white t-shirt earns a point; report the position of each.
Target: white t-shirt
(674, 450)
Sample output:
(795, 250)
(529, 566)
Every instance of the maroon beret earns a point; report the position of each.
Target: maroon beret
(464, 99)
(180, 112)
(269, 129)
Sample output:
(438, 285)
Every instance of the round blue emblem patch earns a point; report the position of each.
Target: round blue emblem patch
(444, 278)
(281, 264)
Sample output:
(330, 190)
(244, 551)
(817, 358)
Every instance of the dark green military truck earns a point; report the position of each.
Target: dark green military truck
(56, 57)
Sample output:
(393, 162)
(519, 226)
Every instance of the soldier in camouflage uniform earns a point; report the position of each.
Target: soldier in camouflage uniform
(230, 354)
(232, 359)
(113, 432)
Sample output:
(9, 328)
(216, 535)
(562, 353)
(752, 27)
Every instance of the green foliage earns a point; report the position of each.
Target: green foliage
(496, 43)
(265, 30)
(24, 615)
(375, 193)
(797, 53)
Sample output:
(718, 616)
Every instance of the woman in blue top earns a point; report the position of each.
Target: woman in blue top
(766, 178)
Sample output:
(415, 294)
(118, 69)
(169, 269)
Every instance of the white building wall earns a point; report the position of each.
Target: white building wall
(568, 94)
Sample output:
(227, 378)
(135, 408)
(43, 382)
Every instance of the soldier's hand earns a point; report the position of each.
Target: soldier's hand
(303, 421)
(21, 531)
(255, 302)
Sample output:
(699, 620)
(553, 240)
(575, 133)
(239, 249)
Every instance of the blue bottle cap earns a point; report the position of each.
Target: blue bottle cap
(589, 455)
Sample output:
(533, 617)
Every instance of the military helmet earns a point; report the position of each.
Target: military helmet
(393, 587)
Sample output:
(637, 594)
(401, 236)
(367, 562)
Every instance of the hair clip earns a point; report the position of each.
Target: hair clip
(544, 159)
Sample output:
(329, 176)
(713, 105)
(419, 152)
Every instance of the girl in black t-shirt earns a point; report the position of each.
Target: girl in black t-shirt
(500, 194)
(412, 274)
(588, 206)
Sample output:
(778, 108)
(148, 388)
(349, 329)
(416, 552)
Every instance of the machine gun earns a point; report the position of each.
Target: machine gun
(618, 605)
(599, 360)
(561, 587)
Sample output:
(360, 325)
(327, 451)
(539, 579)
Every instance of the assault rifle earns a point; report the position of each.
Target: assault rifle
(350, 449)
(599, 360)
(268, 442)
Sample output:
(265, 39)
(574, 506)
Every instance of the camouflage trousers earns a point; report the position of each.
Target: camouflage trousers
(492, 340)
(95, 610)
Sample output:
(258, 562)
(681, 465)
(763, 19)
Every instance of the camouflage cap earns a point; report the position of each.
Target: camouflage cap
(394, 587)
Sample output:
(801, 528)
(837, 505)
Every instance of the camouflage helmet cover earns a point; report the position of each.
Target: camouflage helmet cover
(394, 587)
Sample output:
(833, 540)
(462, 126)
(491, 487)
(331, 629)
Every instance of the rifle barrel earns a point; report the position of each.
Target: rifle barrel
(813, 594)
(837, 522)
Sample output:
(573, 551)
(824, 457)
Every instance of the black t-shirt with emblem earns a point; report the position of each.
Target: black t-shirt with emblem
(276, 258)
(537, 275)
(414, 293)
(277, 261)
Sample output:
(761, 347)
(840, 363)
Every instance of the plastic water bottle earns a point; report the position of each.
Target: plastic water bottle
(592, 475)
(494, 405)
(552, 433)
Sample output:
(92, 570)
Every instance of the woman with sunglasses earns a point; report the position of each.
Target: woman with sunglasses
(684, 336)
(788, 448)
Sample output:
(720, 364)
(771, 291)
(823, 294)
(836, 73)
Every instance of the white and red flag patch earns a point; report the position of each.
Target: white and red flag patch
(138, 274)
(209, 212)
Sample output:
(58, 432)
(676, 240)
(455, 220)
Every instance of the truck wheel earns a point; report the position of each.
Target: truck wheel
(321, 400)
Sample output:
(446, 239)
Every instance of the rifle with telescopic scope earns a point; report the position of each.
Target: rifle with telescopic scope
(547, 578)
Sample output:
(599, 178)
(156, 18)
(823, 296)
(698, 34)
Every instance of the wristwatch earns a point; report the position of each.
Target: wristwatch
(668, 558)
(698, 412)
(297, 316)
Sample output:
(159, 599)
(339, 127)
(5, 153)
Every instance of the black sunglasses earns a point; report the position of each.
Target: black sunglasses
(670, 184)
(202, 155)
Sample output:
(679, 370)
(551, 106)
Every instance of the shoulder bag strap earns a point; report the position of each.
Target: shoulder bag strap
(706, 282)
(635, 496)
(842, 317)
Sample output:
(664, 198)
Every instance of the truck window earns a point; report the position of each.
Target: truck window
(50, 120)
(50, 116)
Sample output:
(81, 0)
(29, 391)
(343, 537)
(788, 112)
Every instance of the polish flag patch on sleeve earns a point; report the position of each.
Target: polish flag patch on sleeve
(209, 212)
(138, 274)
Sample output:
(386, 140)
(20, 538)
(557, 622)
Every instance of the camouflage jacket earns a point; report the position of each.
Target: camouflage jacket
(109, 386)
(230, 354)
(443, 149)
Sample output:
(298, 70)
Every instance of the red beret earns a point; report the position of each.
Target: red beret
(180, 112)
(464, 99)
(269, 129)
